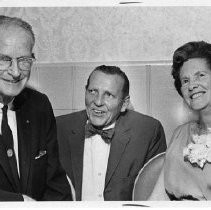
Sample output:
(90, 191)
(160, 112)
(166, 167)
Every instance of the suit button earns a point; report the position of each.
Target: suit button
(9, 153)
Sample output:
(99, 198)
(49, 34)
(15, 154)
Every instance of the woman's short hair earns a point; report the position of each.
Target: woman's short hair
(197, 49)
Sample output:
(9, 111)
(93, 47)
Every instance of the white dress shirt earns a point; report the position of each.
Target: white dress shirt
(95, 160)
(11, 115)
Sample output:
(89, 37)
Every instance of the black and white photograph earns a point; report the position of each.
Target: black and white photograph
(105, 104)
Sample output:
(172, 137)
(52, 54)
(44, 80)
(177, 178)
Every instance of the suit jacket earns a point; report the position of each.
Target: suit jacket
(41, 175)
(137, 138)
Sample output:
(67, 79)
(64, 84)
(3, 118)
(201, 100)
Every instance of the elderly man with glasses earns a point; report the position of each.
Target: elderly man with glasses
(29, 163)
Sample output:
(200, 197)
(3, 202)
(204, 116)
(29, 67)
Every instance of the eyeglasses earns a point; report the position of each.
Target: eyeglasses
(24, 63)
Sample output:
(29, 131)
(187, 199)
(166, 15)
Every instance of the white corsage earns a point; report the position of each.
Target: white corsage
(199, 151)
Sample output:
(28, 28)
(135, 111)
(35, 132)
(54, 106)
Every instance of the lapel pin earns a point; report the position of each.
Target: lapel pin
(27, 121)
(9, 153)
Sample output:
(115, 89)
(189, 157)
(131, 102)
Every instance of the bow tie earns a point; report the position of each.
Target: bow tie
(106, 135)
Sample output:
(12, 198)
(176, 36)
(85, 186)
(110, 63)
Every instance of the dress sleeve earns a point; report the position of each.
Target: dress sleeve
(159, 193)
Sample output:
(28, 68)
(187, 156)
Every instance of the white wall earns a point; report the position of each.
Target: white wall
(85, 34)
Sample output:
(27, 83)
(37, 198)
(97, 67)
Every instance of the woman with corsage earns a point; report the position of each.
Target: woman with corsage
(186, 174)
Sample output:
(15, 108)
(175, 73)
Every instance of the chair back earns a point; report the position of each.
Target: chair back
(147, 177)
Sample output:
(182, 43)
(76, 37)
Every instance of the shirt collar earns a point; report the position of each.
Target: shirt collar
(108, 127)
(10, 105)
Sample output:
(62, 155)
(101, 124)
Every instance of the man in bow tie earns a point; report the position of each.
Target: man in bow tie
(29, 162)
(103, 147)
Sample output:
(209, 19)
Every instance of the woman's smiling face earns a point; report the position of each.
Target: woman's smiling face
(195, 77)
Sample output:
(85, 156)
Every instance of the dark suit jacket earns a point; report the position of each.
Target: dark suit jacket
(40, 178)
(137, 138)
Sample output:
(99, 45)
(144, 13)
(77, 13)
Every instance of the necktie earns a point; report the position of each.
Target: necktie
(106, 135)
(8, 142)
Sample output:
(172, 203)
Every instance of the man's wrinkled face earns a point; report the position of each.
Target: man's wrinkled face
(15, 42)
(104, 98)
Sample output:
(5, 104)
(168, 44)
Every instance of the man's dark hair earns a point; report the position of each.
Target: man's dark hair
(113, 70)
(198, 49)
(6, 21)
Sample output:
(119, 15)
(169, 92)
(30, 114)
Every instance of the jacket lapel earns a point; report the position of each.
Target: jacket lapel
(118, 145)
(24, 137)
(4, 162)
(77, 146)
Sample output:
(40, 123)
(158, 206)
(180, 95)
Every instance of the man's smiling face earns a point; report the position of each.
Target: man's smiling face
(15, 42)
(104, 98)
